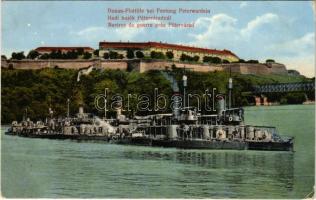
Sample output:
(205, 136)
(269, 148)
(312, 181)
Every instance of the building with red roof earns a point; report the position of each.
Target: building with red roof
(177, 50)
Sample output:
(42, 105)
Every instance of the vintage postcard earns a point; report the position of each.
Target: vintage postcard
(158, 99)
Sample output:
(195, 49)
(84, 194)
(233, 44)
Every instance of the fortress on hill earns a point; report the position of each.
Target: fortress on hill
(177, 50)
(142, 57)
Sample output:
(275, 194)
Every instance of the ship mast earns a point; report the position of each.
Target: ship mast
(105, 103)
(184, 79)
(68, 101)
(230, 88)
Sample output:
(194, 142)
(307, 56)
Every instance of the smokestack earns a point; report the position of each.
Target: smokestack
(184, 79)
(230, 87)
(220, 105)
(81, 110)
(176, 105)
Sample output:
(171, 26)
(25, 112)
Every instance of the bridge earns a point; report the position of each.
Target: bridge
(284, 87)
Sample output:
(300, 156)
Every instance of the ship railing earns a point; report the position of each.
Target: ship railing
(208, 119)
(275, 135)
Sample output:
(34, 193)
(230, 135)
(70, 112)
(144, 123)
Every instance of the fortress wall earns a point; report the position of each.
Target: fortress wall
(146, 65)
(108, 64)
(39, 64)
(246, 68)
(200, 68)
(277, 68)
(27, 64)
(72, 65)
(161, 65)
(256, 68)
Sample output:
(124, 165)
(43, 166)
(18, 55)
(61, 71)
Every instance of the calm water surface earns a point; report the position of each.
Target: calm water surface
(65, 168)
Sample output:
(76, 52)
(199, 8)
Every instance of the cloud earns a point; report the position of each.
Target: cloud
(220, 29)
(304, 64)
(259, 21)
(297, 46)
(91, 33)
(297, 53)
(264, 36)
(243, 4)
(98, 33)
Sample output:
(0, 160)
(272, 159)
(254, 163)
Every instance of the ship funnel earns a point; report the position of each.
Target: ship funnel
(176, 99)
(220, 104)
(81, 110)
(176, 105)
(118, 111)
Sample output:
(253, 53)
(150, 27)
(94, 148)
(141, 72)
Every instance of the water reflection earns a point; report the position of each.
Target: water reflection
(71, 169)
(231, 171)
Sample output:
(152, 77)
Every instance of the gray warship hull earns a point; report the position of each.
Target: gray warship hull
(212, 144)
(60, 136)
(181, 144)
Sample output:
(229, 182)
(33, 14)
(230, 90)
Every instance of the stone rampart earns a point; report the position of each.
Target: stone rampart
(146, 65)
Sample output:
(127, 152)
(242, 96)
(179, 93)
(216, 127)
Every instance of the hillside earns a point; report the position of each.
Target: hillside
(37, 90)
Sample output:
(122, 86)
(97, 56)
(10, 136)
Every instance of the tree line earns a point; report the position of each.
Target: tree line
(35, 91)
(130, 54)
(74, 54)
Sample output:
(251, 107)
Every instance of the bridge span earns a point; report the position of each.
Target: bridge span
(284, 87)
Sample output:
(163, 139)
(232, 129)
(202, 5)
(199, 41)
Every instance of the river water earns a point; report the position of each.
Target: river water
(64, 168)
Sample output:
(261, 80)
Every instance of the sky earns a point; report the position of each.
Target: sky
(259, 30)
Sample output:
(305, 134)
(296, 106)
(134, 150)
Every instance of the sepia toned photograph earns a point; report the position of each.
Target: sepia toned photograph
(158, 99)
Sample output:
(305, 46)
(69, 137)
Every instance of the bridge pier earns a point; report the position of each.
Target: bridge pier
(265, 101)
(262, 101)
(258, 101)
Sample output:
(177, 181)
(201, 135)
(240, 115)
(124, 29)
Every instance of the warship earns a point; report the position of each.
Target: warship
(184, 128)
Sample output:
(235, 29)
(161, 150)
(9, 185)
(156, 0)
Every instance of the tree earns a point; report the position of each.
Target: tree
(53, 55)
(153, 54)
(59, 54)
(140, 54)
(18, 55)
(130, 54)
(56, 55)
(80, 51)
(270, 60)
(169, 55)
(196, 58)
(216, 60)
(113, 55)
(241, 61)
(183, 57)
(120, 56)
(210, 59)
(173, 67)
(106, 55)
(252, 61)
(295, 98)
(44, 56)
(87, 55)
(206, 59)
(157, 55)
(71, 55)
(96, 52)
(32, 54)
